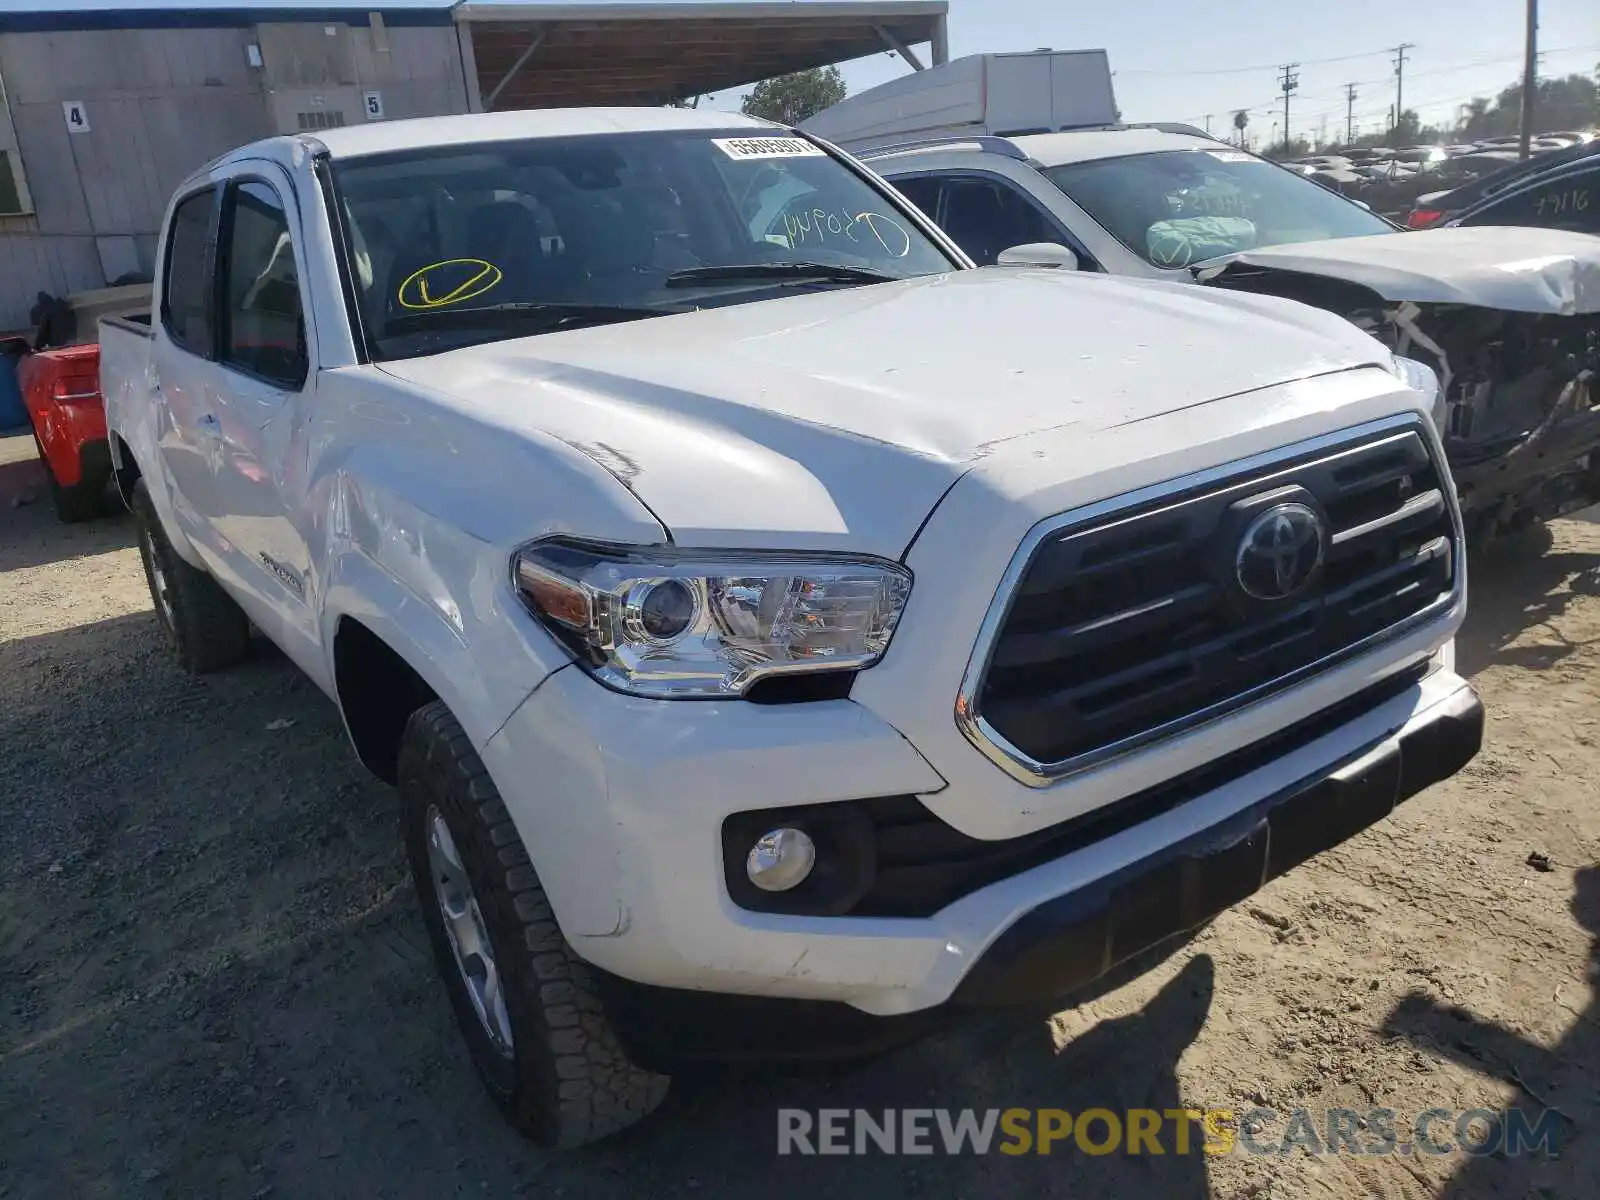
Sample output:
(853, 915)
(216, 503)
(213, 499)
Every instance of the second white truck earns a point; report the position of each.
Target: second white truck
(780, 640)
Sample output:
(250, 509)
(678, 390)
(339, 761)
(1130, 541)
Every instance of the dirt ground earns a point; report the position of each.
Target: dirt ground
(214, 982)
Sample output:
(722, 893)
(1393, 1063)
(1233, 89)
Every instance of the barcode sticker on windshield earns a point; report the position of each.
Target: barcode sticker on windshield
(767, 147)
(1231, 156)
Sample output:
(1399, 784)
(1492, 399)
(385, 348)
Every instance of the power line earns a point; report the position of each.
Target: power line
(1310, 62)
(1434, 101)
(1414, 75)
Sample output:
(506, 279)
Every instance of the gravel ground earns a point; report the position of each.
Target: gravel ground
(213, 979)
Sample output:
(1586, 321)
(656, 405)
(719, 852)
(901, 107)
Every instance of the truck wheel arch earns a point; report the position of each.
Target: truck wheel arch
(387, 651)
(124, 468)
(378, 690)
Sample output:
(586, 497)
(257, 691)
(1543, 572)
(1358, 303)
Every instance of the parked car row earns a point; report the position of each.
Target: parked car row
(1531, 192)
(785, 632)
(1394, 182)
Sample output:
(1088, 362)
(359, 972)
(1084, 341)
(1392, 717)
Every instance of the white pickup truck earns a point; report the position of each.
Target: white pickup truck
(779, 641)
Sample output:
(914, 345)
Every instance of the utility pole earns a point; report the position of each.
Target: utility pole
(1287, 83)
(1349, 113)
(1208, 124)
(1530, 78)
(1399, 84)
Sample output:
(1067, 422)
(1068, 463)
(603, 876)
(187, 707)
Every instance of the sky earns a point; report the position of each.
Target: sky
(1175, 60)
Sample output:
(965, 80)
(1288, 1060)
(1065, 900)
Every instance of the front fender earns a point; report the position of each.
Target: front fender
(482, 689)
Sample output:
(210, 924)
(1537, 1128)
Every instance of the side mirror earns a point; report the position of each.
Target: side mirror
(1040, 254)
(1362, 203)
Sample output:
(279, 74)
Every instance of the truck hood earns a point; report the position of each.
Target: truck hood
(837, 419)
(1519, 270)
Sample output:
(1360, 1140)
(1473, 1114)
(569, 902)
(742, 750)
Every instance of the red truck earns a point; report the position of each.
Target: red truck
(59, 378)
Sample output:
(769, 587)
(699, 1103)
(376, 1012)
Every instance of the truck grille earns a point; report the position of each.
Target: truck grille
(1133, 625)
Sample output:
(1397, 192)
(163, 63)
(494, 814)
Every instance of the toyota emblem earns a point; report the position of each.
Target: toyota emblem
(1280, 552)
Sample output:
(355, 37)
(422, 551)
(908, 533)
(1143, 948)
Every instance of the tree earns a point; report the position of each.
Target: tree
(1293, 148)
(1570, 102)
(790, 99)
(1240, 120)
(1407, 130)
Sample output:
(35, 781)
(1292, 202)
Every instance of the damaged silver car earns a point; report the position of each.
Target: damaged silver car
(1508, 319)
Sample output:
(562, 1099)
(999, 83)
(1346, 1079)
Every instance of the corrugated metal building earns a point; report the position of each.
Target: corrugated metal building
(104, 112)
(107, 111)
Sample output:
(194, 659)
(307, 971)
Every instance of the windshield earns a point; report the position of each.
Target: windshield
(1175, 208)
(461, 244)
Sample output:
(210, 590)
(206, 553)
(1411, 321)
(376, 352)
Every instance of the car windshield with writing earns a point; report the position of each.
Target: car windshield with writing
(462, 244)
(1176, 208)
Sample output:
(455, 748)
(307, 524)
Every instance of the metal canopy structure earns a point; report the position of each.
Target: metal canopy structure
(557, 55)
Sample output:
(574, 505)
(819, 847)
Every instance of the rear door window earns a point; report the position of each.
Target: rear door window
(186, 283)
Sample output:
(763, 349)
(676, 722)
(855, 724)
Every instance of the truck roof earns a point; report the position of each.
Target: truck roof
(382, 137)
(1058, 149)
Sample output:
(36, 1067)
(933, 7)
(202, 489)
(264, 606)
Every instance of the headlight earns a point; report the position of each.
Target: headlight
(1419, 377)
(656, 621)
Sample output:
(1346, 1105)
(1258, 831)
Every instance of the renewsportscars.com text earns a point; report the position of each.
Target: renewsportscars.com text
(1094, 1131)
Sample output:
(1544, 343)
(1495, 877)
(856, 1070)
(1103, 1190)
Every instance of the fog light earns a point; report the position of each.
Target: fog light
(781, 859)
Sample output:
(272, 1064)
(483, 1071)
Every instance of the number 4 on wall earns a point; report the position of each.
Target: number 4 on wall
(77, 116)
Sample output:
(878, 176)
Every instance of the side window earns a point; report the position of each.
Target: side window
(923, 191)
(262, 323)
(986, 216)
(1571, 202)
(185, 286)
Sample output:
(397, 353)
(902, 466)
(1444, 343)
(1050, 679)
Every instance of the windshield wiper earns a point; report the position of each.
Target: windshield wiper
(548, 316)
(734, 272)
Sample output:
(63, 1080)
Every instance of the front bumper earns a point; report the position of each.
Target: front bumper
(623, 816)
(1072, 940)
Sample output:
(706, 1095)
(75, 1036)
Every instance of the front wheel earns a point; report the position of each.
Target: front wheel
(526, 1004)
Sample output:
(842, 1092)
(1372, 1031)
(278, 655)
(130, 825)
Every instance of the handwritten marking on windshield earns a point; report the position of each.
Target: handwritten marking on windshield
(822, 224)
(414, 291)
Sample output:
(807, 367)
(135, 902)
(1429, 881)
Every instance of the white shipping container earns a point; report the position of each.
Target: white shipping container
(1039, 91)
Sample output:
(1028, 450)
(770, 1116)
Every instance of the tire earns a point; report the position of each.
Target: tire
(83, 501)
(562, 1077)
(204, 625)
